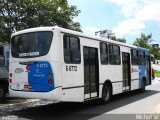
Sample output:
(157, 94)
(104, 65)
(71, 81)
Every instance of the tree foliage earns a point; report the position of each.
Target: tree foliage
(123, 40)
(155, 51)
(23, 14)
(145, 42)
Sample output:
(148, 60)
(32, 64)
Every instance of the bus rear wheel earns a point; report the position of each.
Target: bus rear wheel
(2, 92)
(106, 93)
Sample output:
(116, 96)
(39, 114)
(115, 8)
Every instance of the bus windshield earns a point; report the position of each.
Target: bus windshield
(33, 44)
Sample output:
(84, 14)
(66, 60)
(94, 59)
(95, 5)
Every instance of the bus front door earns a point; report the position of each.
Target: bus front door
(126, 71)
(91, 72)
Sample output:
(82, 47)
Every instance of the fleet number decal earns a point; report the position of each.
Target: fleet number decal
(71, 68)
(42, 65)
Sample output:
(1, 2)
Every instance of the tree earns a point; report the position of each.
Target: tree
(144, 41)
(155, 51)
(123, 40)
(23, 14)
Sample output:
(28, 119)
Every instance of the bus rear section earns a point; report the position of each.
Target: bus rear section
(31, 73)
(32, 76)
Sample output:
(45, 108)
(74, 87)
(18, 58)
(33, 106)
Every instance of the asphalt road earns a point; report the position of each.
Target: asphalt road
(128, 106)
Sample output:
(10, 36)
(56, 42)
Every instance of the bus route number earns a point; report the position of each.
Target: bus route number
(71, 68)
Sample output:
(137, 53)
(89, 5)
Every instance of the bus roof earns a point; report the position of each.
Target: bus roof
(81, 34)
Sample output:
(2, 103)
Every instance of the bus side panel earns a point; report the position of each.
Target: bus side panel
(142, 74)
(72, 79)
(112, 73)
(134, 77)
(145, 70)
(148, 69)
(72, 82)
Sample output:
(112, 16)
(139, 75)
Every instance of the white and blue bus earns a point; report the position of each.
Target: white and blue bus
(58, 64)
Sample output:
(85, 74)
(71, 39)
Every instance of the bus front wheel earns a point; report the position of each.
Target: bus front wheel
(106, 93)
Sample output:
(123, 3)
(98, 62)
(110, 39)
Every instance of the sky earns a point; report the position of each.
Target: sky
(126, 18)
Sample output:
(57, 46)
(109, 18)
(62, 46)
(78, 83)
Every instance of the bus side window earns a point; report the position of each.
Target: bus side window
(71, 49)
(135, 57)
(104, 53)
(142, 60)
(114, 54)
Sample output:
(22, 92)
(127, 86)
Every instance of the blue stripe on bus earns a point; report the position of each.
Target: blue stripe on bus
(147, 68)
(38, 76)
(143, 70)
(141, 74)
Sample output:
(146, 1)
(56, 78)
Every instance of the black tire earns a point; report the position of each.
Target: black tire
(106, 93)
(2, 92)
(143, 86)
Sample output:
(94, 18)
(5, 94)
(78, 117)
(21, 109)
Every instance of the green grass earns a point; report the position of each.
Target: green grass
(156, 73)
